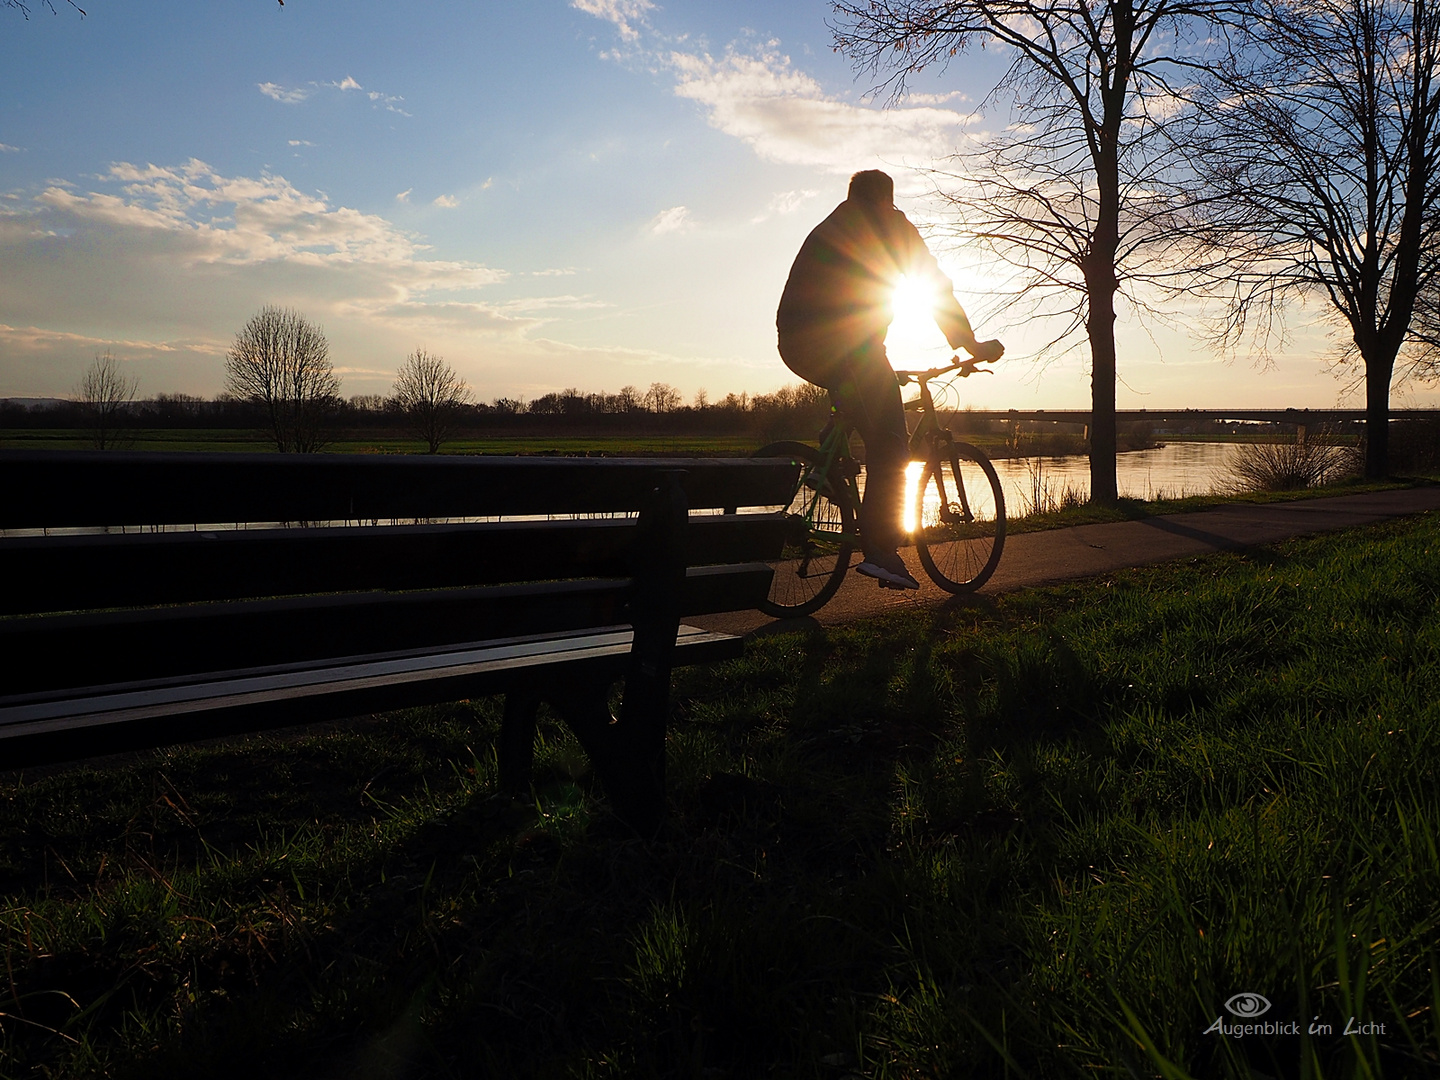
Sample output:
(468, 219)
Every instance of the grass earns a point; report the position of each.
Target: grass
(1043, 836)
(253, 442)
(1061, 512)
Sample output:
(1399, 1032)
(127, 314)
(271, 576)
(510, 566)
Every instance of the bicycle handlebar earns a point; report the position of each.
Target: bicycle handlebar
(966, 368)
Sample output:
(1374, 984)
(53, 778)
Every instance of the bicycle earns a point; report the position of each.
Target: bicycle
(957, 520)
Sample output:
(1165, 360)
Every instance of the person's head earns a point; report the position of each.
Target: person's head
(873, 188)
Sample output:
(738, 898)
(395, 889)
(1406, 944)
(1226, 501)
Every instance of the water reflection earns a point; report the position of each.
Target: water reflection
(1180, 468)
(1169, 471)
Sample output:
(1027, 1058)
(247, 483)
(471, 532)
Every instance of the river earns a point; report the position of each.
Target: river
(1170, 471)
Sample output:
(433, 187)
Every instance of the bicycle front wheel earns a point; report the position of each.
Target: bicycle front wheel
(960, 521)
(819, 538)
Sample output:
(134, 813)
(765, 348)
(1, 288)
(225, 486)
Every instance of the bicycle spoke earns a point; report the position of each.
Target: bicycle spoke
(961, 519)
(816, 556)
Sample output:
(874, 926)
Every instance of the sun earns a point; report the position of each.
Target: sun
(914, 331)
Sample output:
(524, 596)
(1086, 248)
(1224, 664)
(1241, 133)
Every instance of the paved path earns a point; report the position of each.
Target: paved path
(1041, 558)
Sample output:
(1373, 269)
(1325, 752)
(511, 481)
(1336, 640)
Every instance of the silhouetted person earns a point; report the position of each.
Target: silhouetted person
(834, 313)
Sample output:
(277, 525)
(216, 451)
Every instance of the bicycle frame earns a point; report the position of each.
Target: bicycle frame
(927, 437)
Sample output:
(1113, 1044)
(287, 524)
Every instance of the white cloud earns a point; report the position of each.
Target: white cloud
(448, 202)
(672, 220)
(285, 95)
(389, 102)
(169, 260)
(786, 116)
(623, 13)
(787, 202)
(552, 303)
(6, 148)
(293, 95)
(935, 99)
(404, 196)
(301, 142)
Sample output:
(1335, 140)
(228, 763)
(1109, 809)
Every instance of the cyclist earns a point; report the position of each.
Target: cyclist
(833, 317)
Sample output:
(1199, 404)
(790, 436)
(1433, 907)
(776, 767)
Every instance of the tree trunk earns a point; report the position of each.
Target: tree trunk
(1377, 417)
(1101, 329)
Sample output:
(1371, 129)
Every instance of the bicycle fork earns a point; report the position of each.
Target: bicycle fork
(947, 512)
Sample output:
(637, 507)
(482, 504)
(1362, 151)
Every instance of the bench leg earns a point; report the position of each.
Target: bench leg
(516, 752)
(624, 760)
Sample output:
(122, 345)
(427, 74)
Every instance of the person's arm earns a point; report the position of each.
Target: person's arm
(950, 317)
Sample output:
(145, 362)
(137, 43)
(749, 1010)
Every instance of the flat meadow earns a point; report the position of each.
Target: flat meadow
(1048, 834)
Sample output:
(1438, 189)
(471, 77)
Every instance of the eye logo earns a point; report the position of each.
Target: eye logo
(1248, 1005)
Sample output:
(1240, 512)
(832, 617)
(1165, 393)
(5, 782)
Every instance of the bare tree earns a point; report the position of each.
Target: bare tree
(662, 397)
(1076, 192)
(104, 395)
(629, 398)
(1322, 142)
(430, 394)
(280, 362)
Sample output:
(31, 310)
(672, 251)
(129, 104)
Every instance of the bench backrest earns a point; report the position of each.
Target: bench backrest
(236, 560)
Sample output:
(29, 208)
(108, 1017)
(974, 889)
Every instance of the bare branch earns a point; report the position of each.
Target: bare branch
(280, 362)
(430, 394)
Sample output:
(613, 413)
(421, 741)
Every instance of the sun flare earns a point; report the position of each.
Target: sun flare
(909, 519)
(914, 333)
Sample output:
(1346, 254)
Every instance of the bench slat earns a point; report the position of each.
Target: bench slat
(103, 647)
(103, 719)
(76, 488)
(73, 573)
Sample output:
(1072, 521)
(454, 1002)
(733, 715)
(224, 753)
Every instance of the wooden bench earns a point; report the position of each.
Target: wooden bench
(156, 598)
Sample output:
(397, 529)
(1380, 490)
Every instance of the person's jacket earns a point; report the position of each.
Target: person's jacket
(845, 275)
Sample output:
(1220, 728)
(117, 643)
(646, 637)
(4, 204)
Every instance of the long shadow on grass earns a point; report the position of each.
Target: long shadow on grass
(498, 938)
(507, 939)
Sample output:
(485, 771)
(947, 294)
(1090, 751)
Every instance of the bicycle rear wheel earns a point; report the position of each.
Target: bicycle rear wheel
(819, 539)
(960, 522)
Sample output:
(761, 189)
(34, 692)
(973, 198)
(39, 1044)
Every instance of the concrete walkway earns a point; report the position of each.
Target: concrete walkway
(1041, 558)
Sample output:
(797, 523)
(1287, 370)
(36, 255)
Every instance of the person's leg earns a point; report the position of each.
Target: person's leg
(869, 394)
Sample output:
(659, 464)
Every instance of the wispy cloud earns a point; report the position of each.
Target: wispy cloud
(786, 116)
(787, 202)
(294, 95)
(404, 196)
(672, 220)
(6, 148)
(755, 93)
(301, 142)
(102, 265)
(388, 102)
(625, 14)
(448, 202)
(285, 95)
(254, 219)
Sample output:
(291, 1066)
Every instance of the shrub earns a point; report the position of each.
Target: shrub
(1288, 466)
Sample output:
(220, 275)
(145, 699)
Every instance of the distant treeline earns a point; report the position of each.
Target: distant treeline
(800, 409)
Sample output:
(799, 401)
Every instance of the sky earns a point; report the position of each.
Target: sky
(551, 194)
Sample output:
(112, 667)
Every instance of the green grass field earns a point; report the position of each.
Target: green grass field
(1043, 836)
(222, 439)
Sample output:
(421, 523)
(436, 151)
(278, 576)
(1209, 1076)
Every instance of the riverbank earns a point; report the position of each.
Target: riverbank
(1049, 830)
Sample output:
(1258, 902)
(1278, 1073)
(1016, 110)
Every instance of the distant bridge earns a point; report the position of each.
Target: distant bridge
(1302, 419)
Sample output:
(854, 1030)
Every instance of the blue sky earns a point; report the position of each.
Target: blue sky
(587, 193)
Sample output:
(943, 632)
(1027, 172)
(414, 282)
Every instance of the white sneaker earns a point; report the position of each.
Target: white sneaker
(888, 569)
